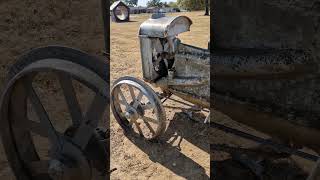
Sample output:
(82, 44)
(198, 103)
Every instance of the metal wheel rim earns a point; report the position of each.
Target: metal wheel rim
(156, 106)
(62, 67)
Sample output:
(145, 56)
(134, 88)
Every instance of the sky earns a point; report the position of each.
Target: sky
(144, 2)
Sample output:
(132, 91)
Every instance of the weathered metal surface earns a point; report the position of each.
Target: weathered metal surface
(146, 51)
(284, 81)
(165, 26)
(286, 149)
(262, 24)
(191, 77)
(258, 64)
(172, 65)
(265, 66)
(74, 142)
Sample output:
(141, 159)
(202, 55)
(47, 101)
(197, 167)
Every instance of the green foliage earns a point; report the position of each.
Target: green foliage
(192, 4)
(127, 2)
(112, 1)
(173, 4)
(154, 3)
(165, 4)
(131, 2)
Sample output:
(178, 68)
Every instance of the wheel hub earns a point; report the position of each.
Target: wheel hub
(132, 99)
(56, 169)
(133, 113)
(70, 163)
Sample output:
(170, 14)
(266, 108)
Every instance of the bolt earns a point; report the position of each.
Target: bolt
(128, 114)
(56, 169)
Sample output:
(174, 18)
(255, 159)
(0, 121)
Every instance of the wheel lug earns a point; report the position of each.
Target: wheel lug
(56, 169)
(128, 114)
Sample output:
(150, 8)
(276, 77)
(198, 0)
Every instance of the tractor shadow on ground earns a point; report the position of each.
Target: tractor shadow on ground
(279, 169)
(167, 150)
(123, 22)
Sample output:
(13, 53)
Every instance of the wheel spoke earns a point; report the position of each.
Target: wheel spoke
(138, 99)
(92, 117)
(36, 128)
(21, 120)
(123, 99)
(44, 118)
(138, 127)
(123, 103)
(132, 121)
(147, 106)
(71, 99)
(149, 126)
(123, 114)
(96, 110)
(148, 119)
(33, 126)
(132, 93)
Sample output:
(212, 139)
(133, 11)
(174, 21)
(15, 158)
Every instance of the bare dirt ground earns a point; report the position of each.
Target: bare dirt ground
(183, 151)
(29, 24)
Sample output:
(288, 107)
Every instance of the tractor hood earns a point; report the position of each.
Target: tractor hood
(163, 27)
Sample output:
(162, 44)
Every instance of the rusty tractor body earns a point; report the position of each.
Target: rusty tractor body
(265, 67)
(181, 69)
(167, 63)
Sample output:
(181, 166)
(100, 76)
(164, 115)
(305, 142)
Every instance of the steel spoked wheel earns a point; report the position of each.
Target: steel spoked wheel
(137, 108)
(39, 147)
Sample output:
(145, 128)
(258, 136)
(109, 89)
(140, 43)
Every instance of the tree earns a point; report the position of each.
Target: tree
(128, 2)
(165, 4)
(173, 4)
(192, 4)
(131, 2)
(154, 3)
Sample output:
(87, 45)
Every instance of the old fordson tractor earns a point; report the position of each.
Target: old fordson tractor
(176, 68)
